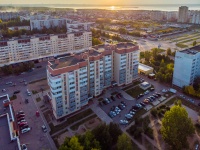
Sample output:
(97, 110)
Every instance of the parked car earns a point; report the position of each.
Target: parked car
(16, 92)
(25, 130)
(8, 83)
(20, 115)
(113, 98)
(38, 66)
(3, 90)
(20, 112)
(146, 92)
(143, 104)
(22, 124)
(21, 118)
(123, 122)
(152, 89)
(21, 121)
(44, 128)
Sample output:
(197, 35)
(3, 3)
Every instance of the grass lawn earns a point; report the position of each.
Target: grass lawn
(181, 45)
(132, 85)
(134, 92)
(34, 92)
(75, 127)
(70, 120)
(46, 115)
(38, 99)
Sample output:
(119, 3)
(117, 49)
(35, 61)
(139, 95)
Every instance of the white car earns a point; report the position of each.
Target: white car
(25, 130)
(164, 90)
(3, 90)
(8, 83)
(124, 122)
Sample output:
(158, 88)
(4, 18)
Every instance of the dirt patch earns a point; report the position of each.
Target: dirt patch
(91, 124)
(37, 86)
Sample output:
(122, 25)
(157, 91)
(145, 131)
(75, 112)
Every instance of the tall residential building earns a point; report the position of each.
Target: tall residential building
(76, 78)
(195, 17)
(157, 15)
(42, 46)
(183, 14)
(186, 66)
(8, 15)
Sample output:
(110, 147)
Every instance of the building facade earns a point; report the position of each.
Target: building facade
(186, 66)
(183, 14)
(76, 78)
(19, 50)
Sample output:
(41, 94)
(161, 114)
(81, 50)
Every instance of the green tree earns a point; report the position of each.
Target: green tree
(194, 43)
(71, 144)
(124, 142)
(114, 131)
(88, 141)
(95, 41)
(169, 52)
(102, 135)
(176, 127)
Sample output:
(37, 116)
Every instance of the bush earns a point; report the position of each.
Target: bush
(149, 132)
(154, 112)
(13, 97)
(137, 133)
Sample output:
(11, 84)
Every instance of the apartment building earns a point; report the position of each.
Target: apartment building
(183, 14)
(195, 17)
(76, 78)
(42, 46)
(40, 21)
(184, 75)
(8, 15)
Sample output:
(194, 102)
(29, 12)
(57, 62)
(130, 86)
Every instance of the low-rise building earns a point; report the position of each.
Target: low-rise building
(144, 69)
(8, 127)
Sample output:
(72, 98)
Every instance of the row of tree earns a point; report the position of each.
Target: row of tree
(15, 22)
(103, 137)
(17, 68)
(18, 33)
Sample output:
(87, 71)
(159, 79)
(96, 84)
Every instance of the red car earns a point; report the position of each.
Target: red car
(22, 124)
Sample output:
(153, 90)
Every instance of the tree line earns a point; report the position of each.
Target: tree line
(193, 90)
(17, 68)
(103, 137)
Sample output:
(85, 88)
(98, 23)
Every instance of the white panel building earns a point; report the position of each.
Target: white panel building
(186, 67)
(73, 78)
(31, 48)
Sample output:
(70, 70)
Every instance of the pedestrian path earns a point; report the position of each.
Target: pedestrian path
(101, 114)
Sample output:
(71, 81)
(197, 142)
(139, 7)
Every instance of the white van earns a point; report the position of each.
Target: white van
(28, 93)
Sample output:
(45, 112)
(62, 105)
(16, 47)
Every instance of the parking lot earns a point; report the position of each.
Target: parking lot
(126, 106)
(35, 139)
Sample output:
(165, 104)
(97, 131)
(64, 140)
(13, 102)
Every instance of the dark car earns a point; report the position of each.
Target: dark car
(25, 126)
(38, 66)
(113, 98)
(143, 104)
(18, 91)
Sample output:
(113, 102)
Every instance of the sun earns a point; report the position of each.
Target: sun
(112, 7)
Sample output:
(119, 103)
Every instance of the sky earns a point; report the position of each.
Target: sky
(101, 2)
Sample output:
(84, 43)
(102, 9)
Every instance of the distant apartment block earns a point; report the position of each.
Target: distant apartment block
(76, 78)
(157, 15)
(8, 15)
(186, 66)
(42, 46)
(46, 21)
(41, 21)
(195, 17)
(183, 14)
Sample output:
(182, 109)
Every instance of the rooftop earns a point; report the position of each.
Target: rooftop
(65, 61)
(193, 50)
(125, 45)
(5, 140)
(144, 67)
